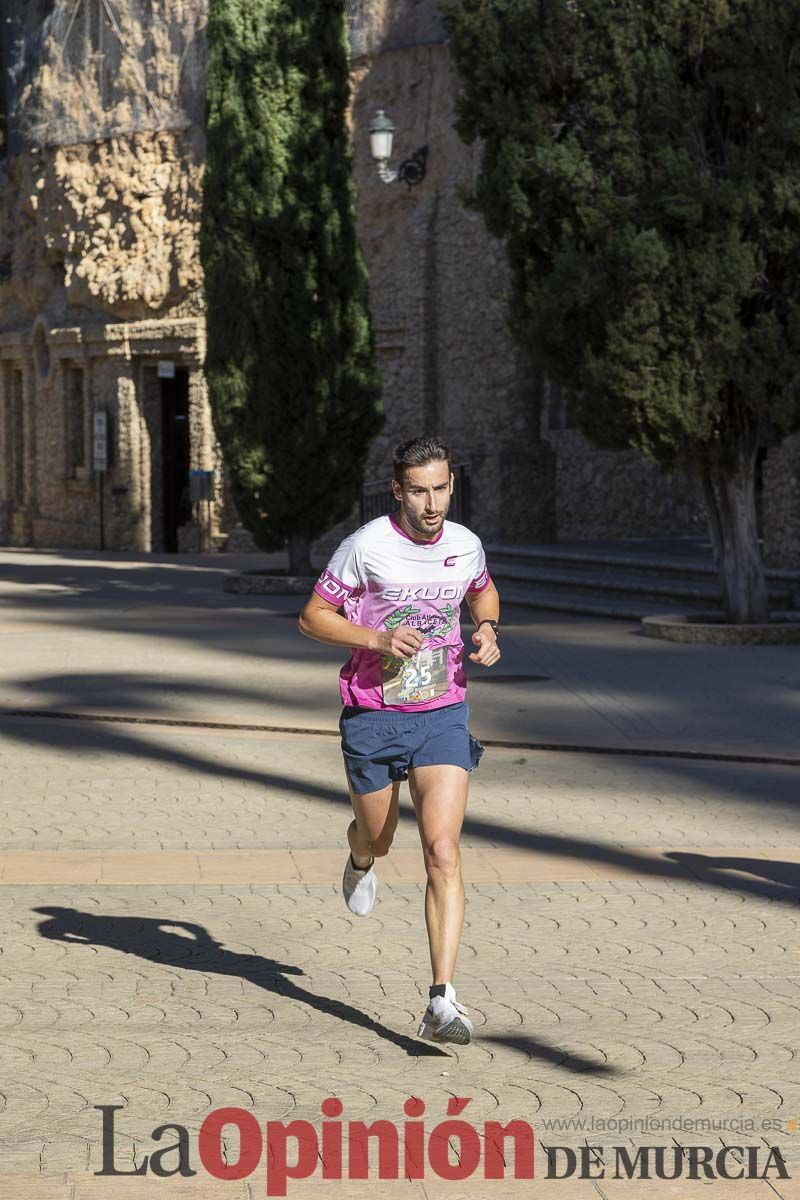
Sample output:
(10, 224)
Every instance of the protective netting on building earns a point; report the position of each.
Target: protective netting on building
(80, 70)
(85, 70)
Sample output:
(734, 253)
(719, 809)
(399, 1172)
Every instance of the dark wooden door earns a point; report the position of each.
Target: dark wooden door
(177, 506)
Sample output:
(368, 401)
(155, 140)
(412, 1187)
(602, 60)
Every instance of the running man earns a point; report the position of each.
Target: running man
(400, 580)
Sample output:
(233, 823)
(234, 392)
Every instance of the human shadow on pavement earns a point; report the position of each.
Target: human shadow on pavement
(147, 938)
(782, 879)
(552, 1054)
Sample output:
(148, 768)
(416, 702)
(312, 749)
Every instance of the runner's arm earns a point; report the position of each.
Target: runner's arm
(485, 606)
(321, 620)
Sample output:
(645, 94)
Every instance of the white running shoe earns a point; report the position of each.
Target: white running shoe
(359, 887)
(446, 1020)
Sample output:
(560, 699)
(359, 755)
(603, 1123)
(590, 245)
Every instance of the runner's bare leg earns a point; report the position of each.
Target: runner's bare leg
(370, 834)
(440, 800)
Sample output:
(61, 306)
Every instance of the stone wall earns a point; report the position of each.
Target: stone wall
(106, 233)
(102, 283)
(618, 494)
(438, 287)
(100, 274)
(376, 25)
(781, 505)
(106, 228)
(440, 295)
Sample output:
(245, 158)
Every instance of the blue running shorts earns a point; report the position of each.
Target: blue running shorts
(379, 745)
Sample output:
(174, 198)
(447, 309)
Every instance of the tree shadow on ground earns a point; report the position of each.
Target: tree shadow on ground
(148, 938)
(782, 879)
(129, 693)
(609, 681)
(110, 740)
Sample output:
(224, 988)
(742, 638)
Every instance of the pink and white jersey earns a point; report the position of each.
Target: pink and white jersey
(382, 578)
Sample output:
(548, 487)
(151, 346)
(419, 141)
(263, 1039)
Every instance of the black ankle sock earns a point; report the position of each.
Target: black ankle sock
(355, 868)
(438, 989)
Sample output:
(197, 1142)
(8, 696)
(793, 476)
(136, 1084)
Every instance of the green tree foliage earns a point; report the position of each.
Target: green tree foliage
(642, 161)
(294, 385)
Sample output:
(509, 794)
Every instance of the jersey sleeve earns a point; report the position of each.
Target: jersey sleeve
(341, 579)
(482, 579)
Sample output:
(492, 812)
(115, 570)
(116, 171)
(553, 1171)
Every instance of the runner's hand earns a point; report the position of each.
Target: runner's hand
(401, 642)
(488, 652)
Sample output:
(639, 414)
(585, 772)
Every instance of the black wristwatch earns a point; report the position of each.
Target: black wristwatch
(494, 624)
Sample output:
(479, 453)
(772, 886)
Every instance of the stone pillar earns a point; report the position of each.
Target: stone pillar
(152, 437)
(25, 515)
(14, 465)
(5, 477)
(130, 467)
(201, 438)
(145, 467)
(126, 522)
(201, 457)
(29, 434)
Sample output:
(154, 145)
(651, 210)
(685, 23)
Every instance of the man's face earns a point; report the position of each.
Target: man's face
(424, 497)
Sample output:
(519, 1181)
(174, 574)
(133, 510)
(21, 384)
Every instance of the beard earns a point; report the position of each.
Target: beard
(422, 527)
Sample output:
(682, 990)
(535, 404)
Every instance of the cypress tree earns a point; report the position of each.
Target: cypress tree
(643, 162)
(290, 364)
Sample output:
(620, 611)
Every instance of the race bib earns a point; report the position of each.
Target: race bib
(415, 680)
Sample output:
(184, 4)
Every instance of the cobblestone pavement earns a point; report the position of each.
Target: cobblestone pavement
(70, 784)
(172, 941)
(635, 994)
(592, 1001)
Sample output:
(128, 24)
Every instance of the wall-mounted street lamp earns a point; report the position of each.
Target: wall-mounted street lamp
(381, 135)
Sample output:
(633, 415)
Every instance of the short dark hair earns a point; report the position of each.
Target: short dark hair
(418, 452)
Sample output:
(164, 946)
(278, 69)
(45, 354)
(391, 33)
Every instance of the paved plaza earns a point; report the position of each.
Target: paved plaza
(174, 940)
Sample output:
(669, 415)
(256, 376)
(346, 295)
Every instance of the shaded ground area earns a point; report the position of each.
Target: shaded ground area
(140, 636)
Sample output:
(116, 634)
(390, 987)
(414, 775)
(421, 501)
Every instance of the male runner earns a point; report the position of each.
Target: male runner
(400, 580)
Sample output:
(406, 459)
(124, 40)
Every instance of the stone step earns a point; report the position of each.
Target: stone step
(699, 592)
(622, 580)
(621, 609)
(694, 559)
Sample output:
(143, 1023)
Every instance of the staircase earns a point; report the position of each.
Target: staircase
(626, 580)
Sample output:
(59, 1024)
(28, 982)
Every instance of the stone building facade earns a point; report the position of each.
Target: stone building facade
(101, 293)
(101, 308)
